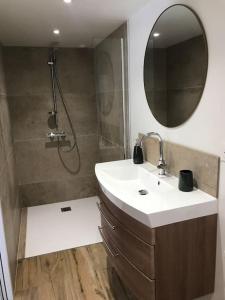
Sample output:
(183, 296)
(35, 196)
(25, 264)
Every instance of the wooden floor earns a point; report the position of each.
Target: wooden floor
(77, 274)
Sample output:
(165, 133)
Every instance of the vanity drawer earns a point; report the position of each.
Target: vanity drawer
(139, 284)
(133, 248)
(140, 230)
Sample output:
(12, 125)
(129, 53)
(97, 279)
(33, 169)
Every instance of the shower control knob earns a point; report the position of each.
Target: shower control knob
(53, 135)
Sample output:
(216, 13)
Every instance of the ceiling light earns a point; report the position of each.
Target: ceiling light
(156, 34)
(67, 1)
(56, 31)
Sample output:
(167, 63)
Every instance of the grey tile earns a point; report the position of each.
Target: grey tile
(2, 152)
(192, 56)
(2, 75)
(76, 70)
(29, 116)
(27, 71)
(42, 193)
(111, 153)
(81, 187)
(83, 113)
(111, 133)
(57, 191)
(11, 213)
(6, 124)
(36, 163)
(8, 186)
(185, 101)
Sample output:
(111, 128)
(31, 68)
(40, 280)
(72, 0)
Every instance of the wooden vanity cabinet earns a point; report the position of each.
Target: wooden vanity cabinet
(172, 262)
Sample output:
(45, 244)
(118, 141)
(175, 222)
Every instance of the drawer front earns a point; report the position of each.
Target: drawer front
(139, 284)
(140, 230)
(134, 249)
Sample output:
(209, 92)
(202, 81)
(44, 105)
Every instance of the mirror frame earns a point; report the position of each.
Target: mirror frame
(207, 61)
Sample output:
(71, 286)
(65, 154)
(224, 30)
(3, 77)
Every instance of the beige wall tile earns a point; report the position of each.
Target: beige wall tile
(205, 166)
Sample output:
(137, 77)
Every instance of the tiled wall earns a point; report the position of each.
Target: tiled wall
(8, 186)
(172, 86)
(185, 84)
(109, 93)
(205, 166)
(42, 178)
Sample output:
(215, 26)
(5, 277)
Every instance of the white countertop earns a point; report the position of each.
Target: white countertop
(164, 204)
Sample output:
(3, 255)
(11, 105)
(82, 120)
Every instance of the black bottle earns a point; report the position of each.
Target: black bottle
(138, 154)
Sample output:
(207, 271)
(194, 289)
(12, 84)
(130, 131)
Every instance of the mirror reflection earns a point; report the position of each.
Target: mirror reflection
(175, 65)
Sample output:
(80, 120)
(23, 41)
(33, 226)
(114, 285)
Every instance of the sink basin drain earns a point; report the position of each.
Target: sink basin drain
(143, 192)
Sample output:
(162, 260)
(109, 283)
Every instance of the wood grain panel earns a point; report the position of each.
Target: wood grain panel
(119, 291)
(140, 286)
(140, 230)
(185, 259)
(138, 252)
(77, 274)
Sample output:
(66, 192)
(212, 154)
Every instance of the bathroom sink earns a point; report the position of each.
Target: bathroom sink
(153, 200)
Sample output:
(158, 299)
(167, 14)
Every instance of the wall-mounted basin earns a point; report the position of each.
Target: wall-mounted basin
(139, 191)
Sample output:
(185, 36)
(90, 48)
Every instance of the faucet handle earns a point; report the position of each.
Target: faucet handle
(162, 167)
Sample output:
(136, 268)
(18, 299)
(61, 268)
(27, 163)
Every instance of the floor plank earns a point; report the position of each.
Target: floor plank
(76, 274)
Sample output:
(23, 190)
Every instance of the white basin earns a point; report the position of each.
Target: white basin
(163, 204)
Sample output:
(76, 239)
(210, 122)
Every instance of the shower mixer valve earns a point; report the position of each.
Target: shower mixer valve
(56, 135)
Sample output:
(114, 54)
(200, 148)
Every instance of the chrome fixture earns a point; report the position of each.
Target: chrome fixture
(52, 135)
(143, 192)
(53, 120)
(161, 163)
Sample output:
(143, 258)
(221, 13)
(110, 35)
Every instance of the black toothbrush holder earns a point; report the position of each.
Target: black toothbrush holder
(186, 182)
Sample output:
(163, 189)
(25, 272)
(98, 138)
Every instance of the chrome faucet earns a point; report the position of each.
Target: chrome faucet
(161, 163)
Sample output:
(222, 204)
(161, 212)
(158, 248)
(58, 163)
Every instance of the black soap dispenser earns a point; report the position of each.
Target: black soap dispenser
(138, 153)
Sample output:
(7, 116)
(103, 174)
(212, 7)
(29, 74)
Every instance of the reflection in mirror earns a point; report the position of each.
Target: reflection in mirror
(175, 67)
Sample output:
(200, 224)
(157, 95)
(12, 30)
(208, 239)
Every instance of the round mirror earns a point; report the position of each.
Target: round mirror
(175, 66)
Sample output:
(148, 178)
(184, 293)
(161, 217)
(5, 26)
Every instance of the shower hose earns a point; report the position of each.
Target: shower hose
(74, 146)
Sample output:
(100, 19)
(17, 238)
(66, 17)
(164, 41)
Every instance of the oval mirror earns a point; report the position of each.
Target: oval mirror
(175, 65)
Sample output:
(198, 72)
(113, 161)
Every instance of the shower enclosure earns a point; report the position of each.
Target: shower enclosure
(112, 96)
(68, 111)
(78, 96)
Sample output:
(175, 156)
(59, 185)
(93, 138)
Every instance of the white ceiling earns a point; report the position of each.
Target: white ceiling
(31, 22)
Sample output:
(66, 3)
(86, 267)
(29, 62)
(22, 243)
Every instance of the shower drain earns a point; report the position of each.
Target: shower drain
(65, 209)
(143, 192)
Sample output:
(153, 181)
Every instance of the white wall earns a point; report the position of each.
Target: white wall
(205, 130)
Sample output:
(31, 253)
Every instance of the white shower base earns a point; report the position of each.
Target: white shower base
(50, 230)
